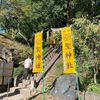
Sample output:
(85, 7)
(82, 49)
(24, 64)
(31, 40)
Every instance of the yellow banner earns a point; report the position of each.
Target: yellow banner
(47, 37)
(37, 64)
(53, 37)
(67, 50)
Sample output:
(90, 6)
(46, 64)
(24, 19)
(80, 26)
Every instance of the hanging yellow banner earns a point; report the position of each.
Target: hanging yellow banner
(53, 37)
(47, 37)
(67, 50)
(37, 64)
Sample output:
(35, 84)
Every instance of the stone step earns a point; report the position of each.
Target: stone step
(25, 91)
(21, 95)
(2, 95)
(17, 97)
(46, 68)
(24, 83)
(29, 86)
(14, 88)
(20, 85)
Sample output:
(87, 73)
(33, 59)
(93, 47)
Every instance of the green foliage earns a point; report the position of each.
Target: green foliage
(18, 70)
(85, 81)
(32, 16)
(87, 8)
(59, 67)
(87, 44)
(94, 88)
(48, 88)
(46, 49)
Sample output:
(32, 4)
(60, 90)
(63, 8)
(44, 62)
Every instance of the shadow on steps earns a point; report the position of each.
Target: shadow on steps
(17, 91)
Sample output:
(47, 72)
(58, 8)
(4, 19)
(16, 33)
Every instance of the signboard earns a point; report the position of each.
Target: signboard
(67, 50)
(37, 64)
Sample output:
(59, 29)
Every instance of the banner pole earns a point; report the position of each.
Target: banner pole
(77, 82)
(42, 69)
(77, 86)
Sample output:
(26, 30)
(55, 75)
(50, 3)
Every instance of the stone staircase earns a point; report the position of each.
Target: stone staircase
(22, 92)
(48, 63)
(26, 89)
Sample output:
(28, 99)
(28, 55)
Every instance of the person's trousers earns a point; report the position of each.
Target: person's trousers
(26, 73)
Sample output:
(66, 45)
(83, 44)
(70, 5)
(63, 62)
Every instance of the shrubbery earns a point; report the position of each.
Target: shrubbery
(18, 70)
(94, 88)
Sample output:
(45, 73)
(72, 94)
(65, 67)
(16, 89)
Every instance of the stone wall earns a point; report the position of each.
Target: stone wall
(5, 54)
(6, 72)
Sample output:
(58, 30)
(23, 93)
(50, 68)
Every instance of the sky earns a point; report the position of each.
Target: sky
(2, 31)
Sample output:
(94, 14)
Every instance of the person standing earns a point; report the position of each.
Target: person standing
(27, 66)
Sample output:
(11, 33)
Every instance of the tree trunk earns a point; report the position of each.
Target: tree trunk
(68, 12)
(93, 2)
(13, 35)
(95, 74)
(95, 81)
(22, 35)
